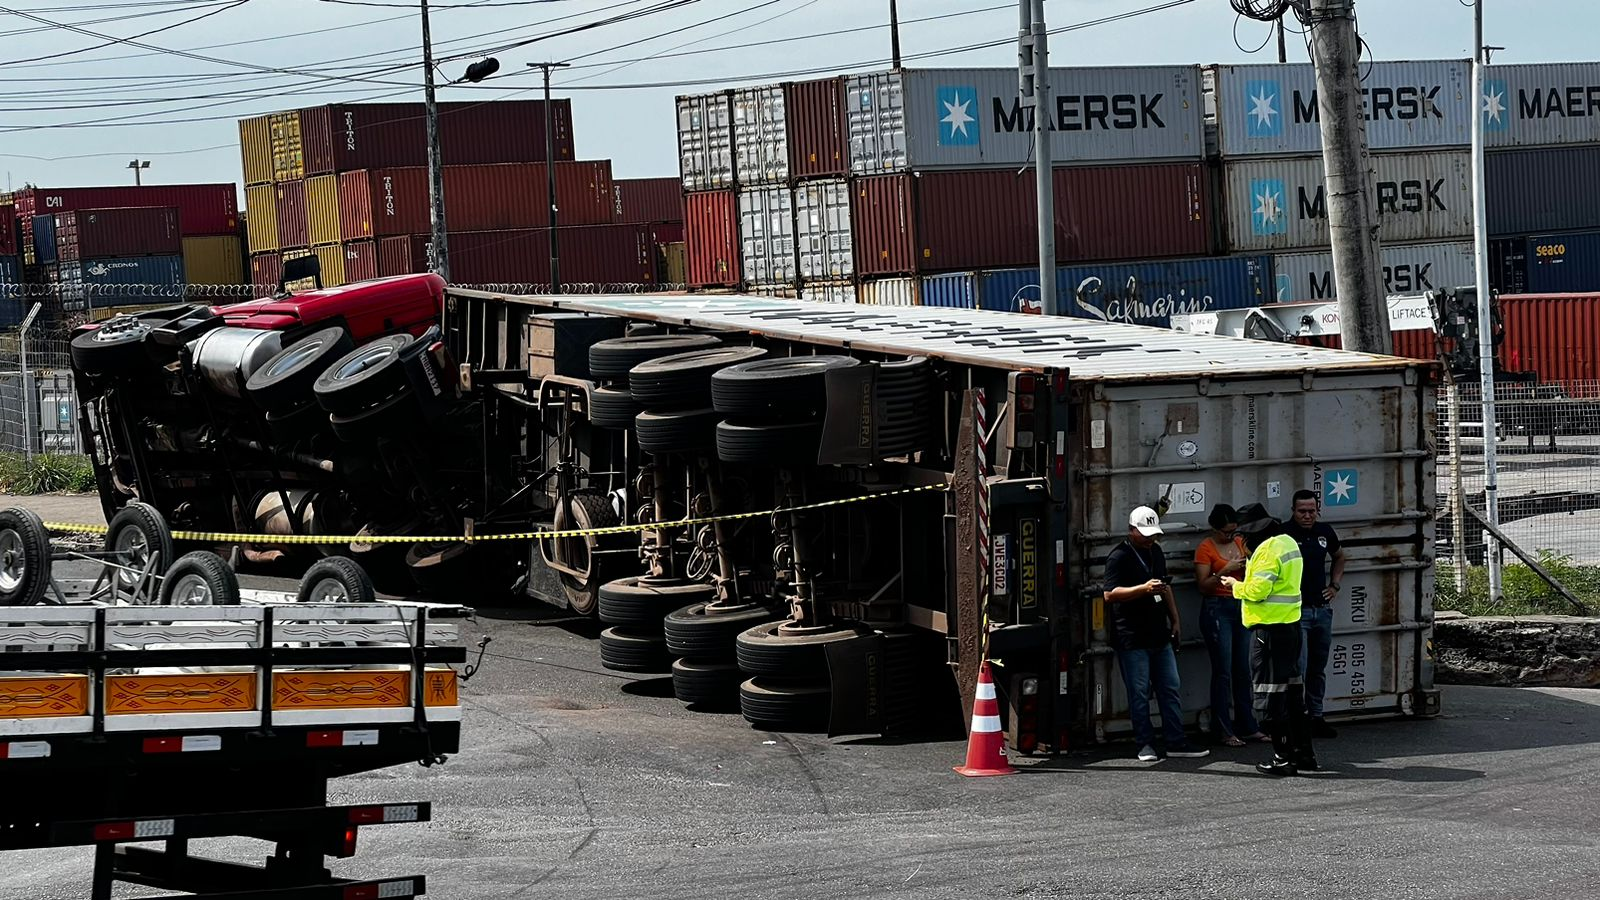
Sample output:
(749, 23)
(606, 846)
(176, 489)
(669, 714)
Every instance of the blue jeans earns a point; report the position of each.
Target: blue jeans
(1229, 645)
(1137, 668)
(1316, 627)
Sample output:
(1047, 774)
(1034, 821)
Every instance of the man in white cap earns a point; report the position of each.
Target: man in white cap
(1142, 619)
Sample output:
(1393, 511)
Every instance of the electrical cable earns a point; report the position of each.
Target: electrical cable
(110, 41)
(128, 17)
(620, 65)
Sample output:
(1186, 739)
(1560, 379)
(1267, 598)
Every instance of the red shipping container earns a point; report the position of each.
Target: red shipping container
(133, 231)
(942, 221)
(203, 209)
(1131, 212)
(9, 228)
(711, 238)
(265, 270)
(384, 202)
(360, 261)
(294, 229)
(666, 233)
(341, 137)
(648, 200)
(818, 140)
(1555, 335)
(593, 254)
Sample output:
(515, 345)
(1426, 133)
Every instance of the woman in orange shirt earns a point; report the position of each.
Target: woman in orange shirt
(1223, 552)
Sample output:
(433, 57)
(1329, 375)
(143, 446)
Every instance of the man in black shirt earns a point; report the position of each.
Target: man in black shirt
(1319, 543)
(1144, 626)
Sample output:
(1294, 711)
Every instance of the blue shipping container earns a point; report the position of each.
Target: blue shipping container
(99, 283)
(1563, 263)
(1148, 293)
(957, 290)
(44, 239)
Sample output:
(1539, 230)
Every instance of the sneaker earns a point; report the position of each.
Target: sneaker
(1278, 768)
(1306, 762)
(1188, 751)
(1148, 753)
(1321, 729)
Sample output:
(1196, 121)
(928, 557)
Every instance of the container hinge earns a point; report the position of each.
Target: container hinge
(1204, 387)
(1306, 378)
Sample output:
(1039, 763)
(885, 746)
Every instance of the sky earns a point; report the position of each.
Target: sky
(248, 57)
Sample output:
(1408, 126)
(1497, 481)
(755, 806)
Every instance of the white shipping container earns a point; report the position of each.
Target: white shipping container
(1407, 269)
(1272, 109)
(822, 230)
(889, 292)
(1281, 204)
(705, 142)
(1541, 104)
(829, 292)
(766, 236)
(760, 136)
(973, 118)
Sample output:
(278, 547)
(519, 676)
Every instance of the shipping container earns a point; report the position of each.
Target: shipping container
(766, 236)
(202, 208)
(902, 291)
(943, 221)
(1281, 204)
(1555, 335)
(261, 225)
(12, 306)
(383, 202)
(8, 230)
(822, 230)
(360, 261)
(322, 209)
(96, 283)
(218, 259)
(255, 149)
(288, 155)
(590, 254)
(1272, 110)
(129, 231)
(952, 290)
(1132, 212)
(330, 260)
(760, 136)
(829, 292)
(818, 146)
(1535, 191)
(293, 222)
(341, 137)
(10, 270)
(1407, 269)
(705, 141)
(1147, 293)
(711, 238)
(1508, 265)
(919, 119)
(647, 200)
(265, 270)
(674, 263)
(1541, 104)
(44, 239)
(1567, 263)
(394, 257)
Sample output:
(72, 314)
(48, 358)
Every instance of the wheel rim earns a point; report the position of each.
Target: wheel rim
(133, 550)
(13, 560)
(294, 358)
(329, 590)
(192, 590)
(120, 329)
(361, 363)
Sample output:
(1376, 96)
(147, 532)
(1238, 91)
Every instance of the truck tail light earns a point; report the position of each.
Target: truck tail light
(347, 847)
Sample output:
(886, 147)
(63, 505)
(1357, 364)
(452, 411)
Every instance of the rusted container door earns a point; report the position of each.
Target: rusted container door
(711, 237)
(293, 227)
(1132, 212)
(814, 111)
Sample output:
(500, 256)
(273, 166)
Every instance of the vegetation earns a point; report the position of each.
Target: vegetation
(1526, 594)
(46, 473)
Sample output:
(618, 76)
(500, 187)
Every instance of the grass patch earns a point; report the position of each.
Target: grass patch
(46, 473)
(1526, 594)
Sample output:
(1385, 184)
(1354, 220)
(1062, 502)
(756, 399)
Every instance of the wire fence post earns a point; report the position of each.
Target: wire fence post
(26, 392)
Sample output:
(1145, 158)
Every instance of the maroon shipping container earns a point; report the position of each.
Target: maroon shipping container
(360, 261)
(384, 202)
(818, 142)
(1556, 335)
(203, 209)
(265, 270)
(341, 137)
(648, 200)
(132, 231)
(711, 238)
(1130, 212)
(294, 229)
(666, 232)
(941, 221)
(8, 230)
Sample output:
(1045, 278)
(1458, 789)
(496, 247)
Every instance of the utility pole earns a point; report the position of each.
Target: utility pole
(1480, 246)
(550, 173)
(894, 33)
(1033, 76)
(1352, 224)
(441, 241)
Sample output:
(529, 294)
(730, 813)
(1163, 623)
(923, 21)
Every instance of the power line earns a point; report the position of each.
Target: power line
(109, 41)
(619, 65)
(127, 17)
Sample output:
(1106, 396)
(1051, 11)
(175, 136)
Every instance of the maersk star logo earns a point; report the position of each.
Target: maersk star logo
(1339, 488)
(1263, 112)
(1496, 111)
(958, 116)
(1267, 213)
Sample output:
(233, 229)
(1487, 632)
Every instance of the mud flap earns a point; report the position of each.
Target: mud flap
(849, 427)
(858, 670)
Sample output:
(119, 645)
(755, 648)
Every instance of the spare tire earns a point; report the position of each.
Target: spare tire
(118, 344)
(369, 374)
(794, 387)
(683, 380)
(201, 578)
(24, 557)
(285, 381)
(611, 359)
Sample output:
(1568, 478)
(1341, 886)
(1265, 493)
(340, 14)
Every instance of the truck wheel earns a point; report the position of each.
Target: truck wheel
(793, 387)
(610, 360)
(24, 557)
(708, 685)
(683, 380)
(773, 650)
(117, 345)
(686, 431)
(612, 408)
(285, 381)
(201, 578)
(395, 417)
(644, 602)
(294, 424)
(367, 375)
(337, 579)
(778, 704)
(794, 442)
(137, 532)
(585, 512)
(628, 650)
(703, 631)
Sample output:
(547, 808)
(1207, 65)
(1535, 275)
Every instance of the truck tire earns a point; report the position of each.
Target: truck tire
(768, 650)
(794, 442)
(707, 685)
(791, 388)
(395, 417)
(284, 382)
(116, 346)
(683, 380)
(201, 578)
(704, 632)
(367, 375)
(611, 407)
(627, 650)
(24, 557)
(610, 360)
(291, 424)
(645, 602)
(684, 431)
(337, 579)
(587, 511)
(136, 532)
(777, 704)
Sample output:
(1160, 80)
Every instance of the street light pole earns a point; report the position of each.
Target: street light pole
(1480, 240)
(441, 240)
(550, 173)
(138, 166)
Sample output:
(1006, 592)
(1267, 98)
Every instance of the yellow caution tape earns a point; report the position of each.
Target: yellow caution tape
(225, 537)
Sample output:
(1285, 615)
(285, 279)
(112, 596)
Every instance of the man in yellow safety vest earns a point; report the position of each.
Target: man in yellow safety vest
(1269, 595)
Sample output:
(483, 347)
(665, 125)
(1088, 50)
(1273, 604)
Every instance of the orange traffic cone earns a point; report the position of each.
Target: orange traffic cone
(986, 751)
